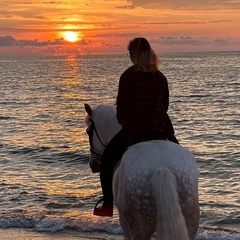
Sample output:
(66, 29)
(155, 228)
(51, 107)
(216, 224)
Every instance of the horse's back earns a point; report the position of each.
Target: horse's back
(150, 155)
(133, 191)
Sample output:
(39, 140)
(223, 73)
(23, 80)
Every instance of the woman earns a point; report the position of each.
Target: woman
(142, 105)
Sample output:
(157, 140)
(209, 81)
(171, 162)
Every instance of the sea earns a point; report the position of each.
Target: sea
(46, 184)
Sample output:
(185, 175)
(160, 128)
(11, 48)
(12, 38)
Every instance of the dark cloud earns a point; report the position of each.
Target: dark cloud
(183, 40)
(8, 41)
(190, 41)
(60, 46)
(221, 41)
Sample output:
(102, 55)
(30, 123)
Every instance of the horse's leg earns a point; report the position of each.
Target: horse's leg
(135, 228)
(170, 221)
(126, 229)
(118, 203)
(132, 230)
(138, 235)
(191, 214)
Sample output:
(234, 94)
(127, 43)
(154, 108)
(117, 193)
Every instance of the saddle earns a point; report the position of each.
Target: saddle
(150, 134)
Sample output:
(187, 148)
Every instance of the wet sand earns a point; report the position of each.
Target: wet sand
(28, 234)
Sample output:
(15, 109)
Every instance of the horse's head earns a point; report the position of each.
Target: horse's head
(101, 125)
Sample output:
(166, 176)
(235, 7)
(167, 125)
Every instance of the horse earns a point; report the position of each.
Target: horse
(155, 186)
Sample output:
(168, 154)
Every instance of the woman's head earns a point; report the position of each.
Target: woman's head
(142, 55)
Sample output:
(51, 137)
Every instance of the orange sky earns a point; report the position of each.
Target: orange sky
(105, 26)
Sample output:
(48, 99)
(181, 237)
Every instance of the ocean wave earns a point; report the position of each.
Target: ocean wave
(49, 225)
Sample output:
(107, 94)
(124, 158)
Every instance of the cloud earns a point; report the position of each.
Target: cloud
(183, 40)
(221, 41)
(187, 4)
(9, 46)
(8, 41)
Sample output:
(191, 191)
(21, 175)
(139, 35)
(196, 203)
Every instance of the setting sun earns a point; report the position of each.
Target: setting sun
(71, 36)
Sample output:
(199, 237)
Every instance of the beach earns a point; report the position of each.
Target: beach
(29, 234)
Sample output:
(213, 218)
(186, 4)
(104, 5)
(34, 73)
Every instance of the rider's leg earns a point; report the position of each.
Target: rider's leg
(110, 157)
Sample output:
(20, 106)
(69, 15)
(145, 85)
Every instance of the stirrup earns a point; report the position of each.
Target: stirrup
(104, 210)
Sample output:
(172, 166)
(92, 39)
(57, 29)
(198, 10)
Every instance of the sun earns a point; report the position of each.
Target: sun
(71, 36)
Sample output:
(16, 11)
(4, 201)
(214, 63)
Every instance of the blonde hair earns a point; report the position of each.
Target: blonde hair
(142, 55)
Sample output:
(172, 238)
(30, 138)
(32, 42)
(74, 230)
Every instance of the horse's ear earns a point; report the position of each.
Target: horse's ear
(88, 109)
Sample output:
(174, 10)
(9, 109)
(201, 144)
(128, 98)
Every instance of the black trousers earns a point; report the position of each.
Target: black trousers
(112, 154)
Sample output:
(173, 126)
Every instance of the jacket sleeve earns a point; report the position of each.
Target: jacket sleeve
(123, 100)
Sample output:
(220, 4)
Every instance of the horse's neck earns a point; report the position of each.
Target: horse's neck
(111, 131)
(108, 121)
(112, 127)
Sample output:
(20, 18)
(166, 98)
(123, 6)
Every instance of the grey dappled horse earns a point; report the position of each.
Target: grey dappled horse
(155, 187)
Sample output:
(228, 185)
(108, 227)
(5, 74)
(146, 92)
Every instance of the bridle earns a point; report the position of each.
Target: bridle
(90, 132)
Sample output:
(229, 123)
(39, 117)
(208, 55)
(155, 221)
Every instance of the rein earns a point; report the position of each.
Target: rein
(92, 128)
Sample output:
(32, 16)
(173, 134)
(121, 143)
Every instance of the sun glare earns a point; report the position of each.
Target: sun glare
(71, 36)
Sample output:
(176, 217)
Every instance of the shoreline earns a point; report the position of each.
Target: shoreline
(30, 234)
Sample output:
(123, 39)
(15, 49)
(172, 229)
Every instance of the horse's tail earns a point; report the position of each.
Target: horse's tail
(170, 221)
